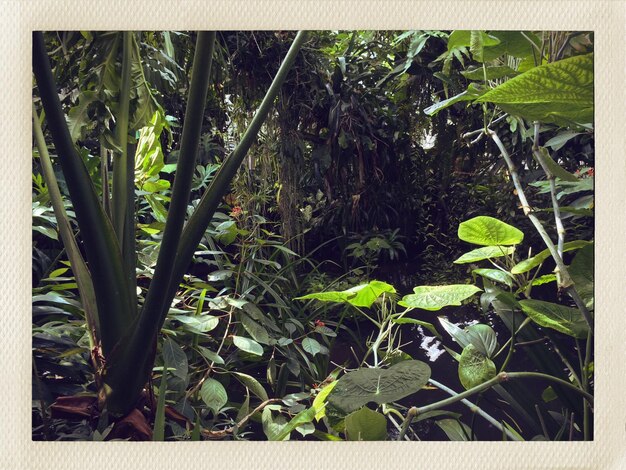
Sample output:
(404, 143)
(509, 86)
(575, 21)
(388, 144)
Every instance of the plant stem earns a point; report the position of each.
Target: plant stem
(501, 377)
(567, 282)
(477, 410)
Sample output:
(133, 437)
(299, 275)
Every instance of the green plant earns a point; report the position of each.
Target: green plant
(124, 333)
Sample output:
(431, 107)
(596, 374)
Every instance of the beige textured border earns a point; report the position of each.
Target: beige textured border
(18, 18)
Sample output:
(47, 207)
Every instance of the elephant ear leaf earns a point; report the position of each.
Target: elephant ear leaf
(560, 93)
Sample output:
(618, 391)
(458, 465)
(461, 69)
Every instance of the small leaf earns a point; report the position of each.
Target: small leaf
(175, 358)
(559, 140)
(458, 334)
(530, 263)
(496, 275)
(454, 429)
(437, 297)
(248, 345)
(554, 168)
(429, 326)
(210, 355)
(311, 346)
(483, 338)
(558, 317)
(581, 272)
(475, 368)
(366, 425)
(199, 323)
(252, 384)
(486, 252)
(214, 395)
(488, 231)
(319, 403)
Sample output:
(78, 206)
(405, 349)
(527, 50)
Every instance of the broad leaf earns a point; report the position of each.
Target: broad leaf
(311, 346)
(513, 43)
(559, 140)
(78, 116)
(558, 317)
(530, 263)
(478, 41)
(363, 295)
(486, 252)
(475, 368)
(495, 275)
(458, 334)
(210, 355)
(319, 403)
(362, 386)
(302, 418)
(560, 92)
(437, 297)
(581, 272)
(487, 231)
(214, 395)
(366, 425)
(199, 323)
(248, 345)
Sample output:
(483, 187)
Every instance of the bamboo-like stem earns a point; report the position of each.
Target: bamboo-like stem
(501, 377)
(566, 280)
(120, 194)
(560, 229)
(101, 246)
(478, 410)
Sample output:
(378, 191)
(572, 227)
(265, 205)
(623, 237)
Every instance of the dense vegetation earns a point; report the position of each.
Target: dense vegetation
(360, 235)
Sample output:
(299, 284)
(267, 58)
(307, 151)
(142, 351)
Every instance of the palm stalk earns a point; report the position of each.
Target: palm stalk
(101, 246)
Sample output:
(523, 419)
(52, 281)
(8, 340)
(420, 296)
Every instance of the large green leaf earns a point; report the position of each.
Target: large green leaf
(363, 295)
(198, 324)
(366, 425)
(530, 263)
(487, 231)
(560, 92)
(558, 317)
(214, 395)
(478, 41)
(581, 272)
(475, 368)
(362, 386)
(483, 253)
(78, 116)
(437, 297)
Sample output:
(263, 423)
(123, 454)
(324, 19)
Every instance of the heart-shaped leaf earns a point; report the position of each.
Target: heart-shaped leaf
(475, 368)
(486, 252)
(362, 386)
(437, 297)
(483, 230)
(363, 295)
(483, 338)
(366, 425)
(495, 275)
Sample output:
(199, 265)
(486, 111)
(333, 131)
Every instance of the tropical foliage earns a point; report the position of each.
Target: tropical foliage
(362, 235)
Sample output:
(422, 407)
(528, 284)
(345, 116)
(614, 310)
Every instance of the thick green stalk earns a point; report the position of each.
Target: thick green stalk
(101, 246)
(79, 268)
(120, 194)
(501, 377)
(122, 383)
(123, 201)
